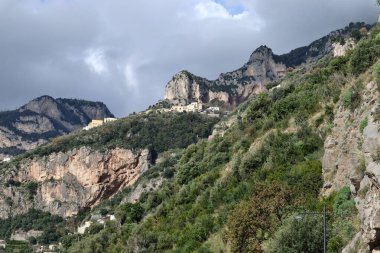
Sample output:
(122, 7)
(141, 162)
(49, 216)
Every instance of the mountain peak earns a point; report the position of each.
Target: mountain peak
(260, 53)
(263, 48)
(44, 97)
(45, 117)
(41, 100)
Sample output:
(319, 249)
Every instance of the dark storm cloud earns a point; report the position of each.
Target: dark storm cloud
(123, 52)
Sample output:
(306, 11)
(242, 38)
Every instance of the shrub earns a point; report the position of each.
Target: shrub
(32, 189)
(377, 73)
(298, 233)
(364, 56)
(168, 173)
(130, 213)
(363, 124)
(346, 98)
(343, 204)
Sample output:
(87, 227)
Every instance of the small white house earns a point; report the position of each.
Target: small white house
(82, 229)
(106, 120)
(3, 244)
(213, 109)
(7, 159)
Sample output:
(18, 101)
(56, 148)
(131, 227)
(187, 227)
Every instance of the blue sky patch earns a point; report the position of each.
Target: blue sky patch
(232, 9)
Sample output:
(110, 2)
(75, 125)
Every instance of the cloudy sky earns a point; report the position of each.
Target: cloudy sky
(123, 52)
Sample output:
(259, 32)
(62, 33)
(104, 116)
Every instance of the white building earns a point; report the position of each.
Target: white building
(98, 122)
(82, 229)
(106, 120)
(213, 109)
(7, 159)
(193, 107)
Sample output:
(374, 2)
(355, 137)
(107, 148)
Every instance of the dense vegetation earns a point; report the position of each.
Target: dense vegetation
(158, 132)
(52, 226)
(246, 190)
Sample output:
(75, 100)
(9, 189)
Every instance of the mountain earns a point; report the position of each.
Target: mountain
(82, 169)
(257, 180)
(263, 67)
(44, 118)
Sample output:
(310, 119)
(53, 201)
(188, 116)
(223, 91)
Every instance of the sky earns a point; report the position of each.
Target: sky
(124, 52)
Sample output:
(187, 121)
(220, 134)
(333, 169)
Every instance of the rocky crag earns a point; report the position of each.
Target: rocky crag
(263, 67)
(63, 183)
(43, 118)
(352, 155)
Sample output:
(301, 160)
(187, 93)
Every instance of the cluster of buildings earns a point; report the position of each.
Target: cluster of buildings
(98, 122)
(192, 107)
(24, 236)
(95, 219)
(52, 248)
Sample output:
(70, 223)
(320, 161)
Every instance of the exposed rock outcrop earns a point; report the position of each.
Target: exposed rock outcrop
(353, 158)
(262, 67)
(341, 49)
(43, 118)
(69, 181)
(230, 88)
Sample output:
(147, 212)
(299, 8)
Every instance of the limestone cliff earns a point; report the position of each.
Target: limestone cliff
(66, 182)
(262, 68)
(230, 88)
(352, 157)
(43, 118)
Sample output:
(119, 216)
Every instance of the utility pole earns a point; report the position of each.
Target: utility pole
(324, 224)
(324, 229)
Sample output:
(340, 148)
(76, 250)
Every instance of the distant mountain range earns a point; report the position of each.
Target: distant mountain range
(44, 118)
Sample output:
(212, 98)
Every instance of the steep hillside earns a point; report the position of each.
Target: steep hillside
(44, 118)
(263, 67)
(82, 169)
(259, 183)
(248, 189)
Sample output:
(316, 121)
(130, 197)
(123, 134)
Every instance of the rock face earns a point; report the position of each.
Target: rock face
(341, 49)
(66, 182)
(353, 158)
(262, 67)
(230, 88)
(43, 118)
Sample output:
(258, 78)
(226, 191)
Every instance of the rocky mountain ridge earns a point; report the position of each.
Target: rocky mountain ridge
(263, 67)
(44, 118)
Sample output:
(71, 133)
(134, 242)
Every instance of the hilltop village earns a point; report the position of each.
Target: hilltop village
(212, 111)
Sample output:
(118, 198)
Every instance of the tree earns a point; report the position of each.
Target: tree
(254, 220)
(130, 213)
(299, 233)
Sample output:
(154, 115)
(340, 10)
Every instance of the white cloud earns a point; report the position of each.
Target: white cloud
(95, 60)
(124, 52)
(210, 9)
(131, 76)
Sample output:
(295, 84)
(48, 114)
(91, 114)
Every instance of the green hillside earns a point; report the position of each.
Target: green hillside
(155, 131)
(249, 188)
(242, 191)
